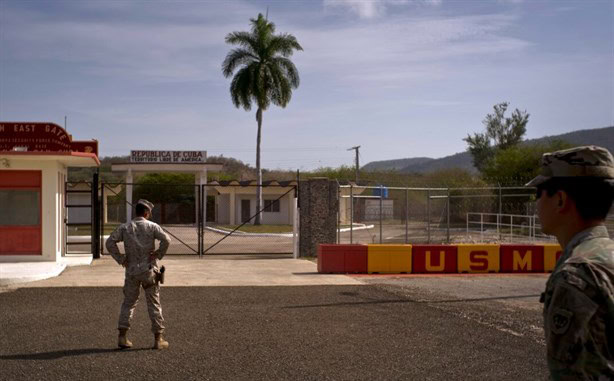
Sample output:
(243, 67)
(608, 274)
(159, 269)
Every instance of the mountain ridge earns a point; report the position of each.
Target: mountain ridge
(603, 137)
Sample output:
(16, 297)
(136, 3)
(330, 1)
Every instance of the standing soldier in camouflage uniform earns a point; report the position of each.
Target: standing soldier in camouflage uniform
(141, 263)
(575, 191)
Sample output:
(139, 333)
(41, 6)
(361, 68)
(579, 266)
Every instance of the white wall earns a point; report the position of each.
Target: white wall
(223, 209)
(283, 217)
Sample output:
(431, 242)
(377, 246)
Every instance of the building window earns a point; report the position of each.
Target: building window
(271, 206)
(20, 212)
(19, 207)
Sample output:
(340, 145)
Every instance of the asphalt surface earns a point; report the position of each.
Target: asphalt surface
(393, 328)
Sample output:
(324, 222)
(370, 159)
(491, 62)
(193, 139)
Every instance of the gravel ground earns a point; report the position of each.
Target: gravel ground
(506, 302)
(389, 329)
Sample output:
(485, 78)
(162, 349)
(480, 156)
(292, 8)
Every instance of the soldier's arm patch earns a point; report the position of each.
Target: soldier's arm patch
(560, 320)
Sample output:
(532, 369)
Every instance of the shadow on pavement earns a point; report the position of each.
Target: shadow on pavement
(413, 301)
(67, 353)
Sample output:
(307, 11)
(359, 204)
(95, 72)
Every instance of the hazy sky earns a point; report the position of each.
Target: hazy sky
(400, 78)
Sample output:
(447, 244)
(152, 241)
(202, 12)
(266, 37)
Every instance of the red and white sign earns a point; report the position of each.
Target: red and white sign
(41, 137)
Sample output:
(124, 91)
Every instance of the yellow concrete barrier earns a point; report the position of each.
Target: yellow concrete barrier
(552, 252)
(386, 259)
(478, 258)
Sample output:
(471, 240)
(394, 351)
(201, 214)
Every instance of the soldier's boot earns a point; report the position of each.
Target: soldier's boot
(159, 342)
(122, 340)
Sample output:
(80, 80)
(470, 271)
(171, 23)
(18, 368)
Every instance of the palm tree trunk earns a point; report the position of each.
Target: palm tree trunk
(258, 169)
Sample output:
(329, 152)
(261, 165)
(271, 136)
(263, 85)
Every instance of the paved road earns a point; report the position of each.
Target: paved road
(397, 328)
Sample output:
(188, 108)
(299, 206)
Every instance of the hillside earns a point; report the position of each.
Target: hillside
(598, 136)
(396, 164)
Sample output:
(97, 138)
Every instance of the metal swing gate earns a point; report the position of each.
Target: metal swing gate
(227, 225)
(197, 218)
(81, 217)
(178, 210)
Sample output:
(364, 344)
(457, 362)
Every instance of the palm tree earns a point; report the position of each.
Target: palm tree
(265, 75)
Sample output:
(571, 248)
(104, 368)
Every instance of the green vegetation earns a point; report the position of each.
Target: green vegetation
(265, 75)
(501, 133)
(520, 163)
(164, 188)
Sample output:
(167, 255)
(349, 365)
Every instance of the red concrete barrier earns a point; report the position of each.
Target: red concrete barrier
(356, 258)
(434, 259)
(521, 258)
(330, 259)
(478, 258)
(342, 258)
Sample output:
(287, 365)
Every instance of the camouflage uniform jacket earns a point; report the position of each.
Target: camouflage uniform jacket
(579, 309)
(139, 237)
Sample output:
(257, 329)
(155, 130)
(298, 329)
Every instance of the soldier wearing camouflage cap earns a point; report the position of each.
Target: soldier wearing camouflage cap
(141, 263)
(574, 195)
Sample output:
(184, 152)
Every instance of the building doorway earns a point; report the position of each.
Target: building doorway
(245, 210)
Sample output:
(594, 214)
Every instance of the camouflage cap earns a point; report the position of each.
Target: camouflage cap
(584, 161)
(146, 203)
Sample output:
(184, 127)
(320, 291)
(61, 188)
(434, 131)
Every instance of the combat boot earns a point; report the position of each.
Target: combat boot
(122, 340)
(159, 342)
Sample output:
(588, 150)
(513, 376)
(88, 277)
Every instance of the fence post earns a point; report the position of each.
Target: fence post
(448, 216)
(381, 203)
(406, 215)
(481, 227)
(201, 224)
(511, 228)
(295, 222)
(95, 217)
(351, 214)
(428, 215)
(339, 213)
(103, 215)
(500, 210)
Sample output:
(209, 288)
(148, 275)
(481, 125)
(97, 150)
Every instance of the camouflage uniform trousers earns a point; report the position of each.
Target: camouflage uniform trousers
(132, 288)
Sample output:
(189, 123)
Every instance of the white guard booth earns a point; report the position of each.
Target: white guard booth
(34, 161)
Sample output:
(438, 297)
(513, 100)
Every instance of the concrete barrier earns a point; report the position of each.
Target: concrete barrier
(522, 258)
(342, 258)
(433, 259)
(482, 258)
(552, 253)
(389, 259)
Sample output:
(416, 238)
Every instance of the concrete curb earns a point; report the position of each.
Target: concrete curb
(24, 272)
(362, 227)
(222, 231)
(287, 235)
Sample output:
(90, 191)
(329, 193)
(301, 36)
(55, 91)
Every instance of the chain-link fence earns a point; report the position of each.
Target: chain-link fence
(223, 224)
(177, 211)
(231, 212)
(379, 214)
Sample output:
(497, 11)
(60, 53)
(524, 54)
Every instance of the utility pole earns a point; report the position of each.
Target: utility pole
(356, 148)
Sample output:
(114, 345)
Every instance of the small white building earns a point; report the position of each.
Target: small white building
(34, 159)
(236, 202)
